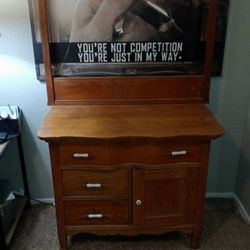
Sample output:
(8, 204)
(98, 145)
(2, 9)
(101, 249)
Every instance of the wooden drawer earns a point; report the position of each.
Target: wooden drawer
(96, 182)
(96, 212)
(119, 153)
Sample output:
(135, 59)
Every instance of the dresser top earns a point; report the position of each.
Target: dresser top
(130, 121)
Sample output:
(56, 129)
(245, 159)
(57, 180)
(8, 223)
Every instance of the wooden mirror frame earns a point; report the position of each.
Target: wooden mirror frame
(128, 90)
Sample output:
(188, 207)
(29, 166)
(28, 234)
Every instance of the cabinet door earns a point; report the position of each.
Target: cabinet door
(164, 196)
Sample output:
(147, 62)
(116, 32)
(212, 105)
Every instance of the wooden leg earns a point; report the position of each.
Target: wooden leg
(59, 206)
(195, 240)
(200, 197)
(69, 240)
(63, 242)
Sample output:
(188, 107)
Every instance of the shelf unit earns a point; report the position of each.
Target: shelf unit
(20, 201)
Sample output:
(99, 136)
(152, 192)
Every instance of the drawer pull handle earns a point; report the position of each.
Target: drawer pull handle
(95, 216)
(177, 153)
(93, 185)
(81, 155)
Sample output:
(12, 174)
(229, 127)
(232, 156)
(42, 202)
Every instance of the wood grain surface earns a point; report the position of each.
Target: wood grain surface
(123, 121)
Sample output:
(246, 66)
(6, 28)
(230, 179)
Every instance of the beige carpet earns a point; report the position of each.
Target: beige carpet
(224, 229)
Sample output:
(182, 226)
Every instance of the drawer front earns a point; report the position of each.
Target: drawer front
(96, 182)
(94, 212)
(115, 153)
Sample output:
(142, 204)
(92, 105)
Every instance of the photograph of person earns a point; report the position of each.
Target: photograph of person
(127, 21)
(136, 20)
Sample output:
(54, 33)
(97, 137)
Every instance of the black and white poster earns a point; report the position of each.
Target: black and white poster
(128, 37)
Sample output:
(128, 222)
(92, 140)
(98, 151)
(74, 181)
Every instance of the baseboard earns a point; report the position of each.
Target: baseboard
(242, 210)
(50, 201)
(228, 195)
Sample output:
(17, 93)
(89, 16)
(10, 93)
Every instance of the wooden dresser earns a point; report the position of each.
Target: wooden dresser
(129, 169)
(129, 153)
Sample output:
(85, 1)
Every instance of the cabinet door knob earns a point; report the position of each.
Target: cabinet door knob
(138, 202)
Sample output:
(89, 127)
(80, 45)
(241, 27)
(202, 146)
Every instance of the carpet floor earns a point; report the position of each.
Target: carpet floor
(223, 229)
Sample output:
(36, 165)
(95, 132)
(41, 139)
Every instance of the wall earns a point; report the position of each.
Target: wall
(230, 158)
(243, 179)
(229, 100)
(242, 186)
(18, 85)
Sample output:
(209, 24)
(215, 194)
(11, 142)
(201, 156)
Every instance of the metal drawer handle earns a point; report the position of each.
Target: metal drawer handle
(176, 153)
(81, 155)
(93, 185)
(95, 216)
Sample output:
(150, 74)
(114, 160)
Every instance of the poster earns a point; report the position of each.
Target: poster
(128, 37)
